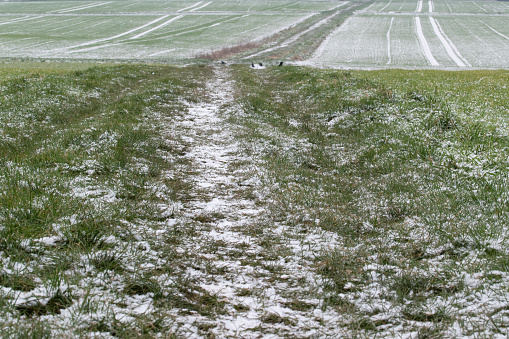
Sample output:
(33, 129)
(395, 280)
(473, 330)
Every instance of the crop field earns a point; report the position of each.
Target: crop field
(421, 34)
(348, 34)
(146, 30)
(440, 6)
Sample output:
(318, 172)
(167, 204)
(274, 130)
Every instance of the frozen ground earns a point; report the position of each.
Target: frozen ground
(225, 234)
(217, 262)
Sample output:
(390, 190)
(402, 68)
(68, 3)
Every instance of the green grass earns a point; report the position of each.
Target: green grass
(82, 165)
(409, 168)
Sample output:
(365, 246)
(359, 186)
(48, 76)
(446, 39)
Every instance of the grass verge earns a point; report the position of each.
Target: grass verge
(90, 180)
(409, 168)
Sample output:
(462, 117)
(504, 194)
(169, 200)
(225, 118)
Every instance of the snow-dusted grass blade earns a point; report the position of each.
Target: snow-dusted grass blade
(409, 169)
(85, 194)
(145, 200)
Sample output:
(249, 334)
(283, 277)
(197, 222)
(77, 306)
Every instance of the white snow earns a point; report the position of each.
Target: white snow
(73, 9)
(117, 35)
(157, 27)
(389, 59)
(497, 32)
(447, 43)
(381, 10)
(21, 19)
(215, 149)
(202, 6)
(424, 43)
(419, 6)
(189, 7)
(298, 35)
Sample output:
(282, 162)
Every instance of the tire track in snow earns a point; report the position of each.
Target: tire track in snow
(424, 43)
(72, 9)
(31, 47)
(15, 21)
(94, 48)
(183, 9)
(257, 28)
(448, 44)
(162, 52)
(494, 30)
(389, 42)
(197, 8)
(298, 35)
(448, 6)
(430, 6)
(67, 26)
(157, 27)
(293, 38)
(381, 10)
(96, 41)
(482, 9)
(193, 28)
(419, 6)
(370, 9)
(213, 25)
(485, 45)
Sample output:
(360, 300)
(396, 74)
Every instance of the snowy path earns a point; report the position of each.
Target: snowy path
(258, 268)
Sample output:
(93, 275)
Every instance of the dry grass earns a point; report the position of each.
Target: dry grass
(227, 52)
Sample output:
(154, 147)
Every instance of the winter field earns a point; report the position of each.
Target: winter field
(209, 200)
(421, 34)
(226, 201)
(145, 30)
(358, 34)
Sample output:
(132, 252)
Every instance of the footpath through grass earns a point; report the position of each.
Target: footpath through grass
(407, 169)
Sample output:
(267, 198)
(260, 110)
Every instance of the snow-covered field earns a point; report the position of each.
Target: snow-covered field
(421, 34)
(388, 33)
(151, 30)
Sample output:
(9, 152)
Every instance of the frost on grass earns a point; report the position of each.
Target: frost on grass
(134, 212)
(412, 179)
(234, 202)
(251, 273)
(85, 211)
